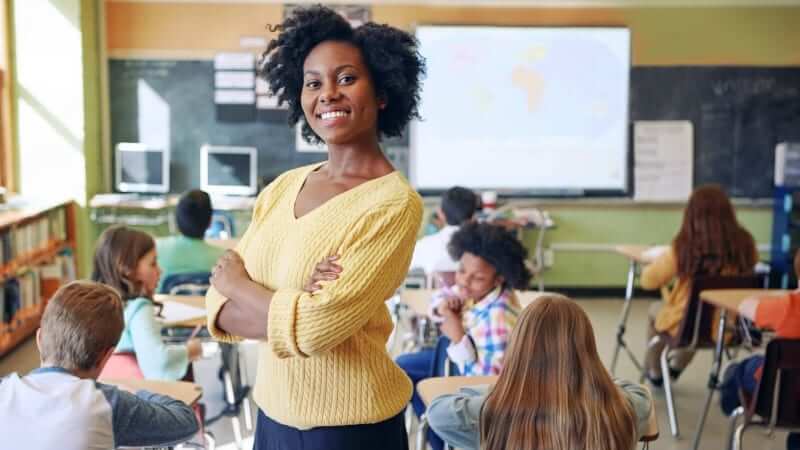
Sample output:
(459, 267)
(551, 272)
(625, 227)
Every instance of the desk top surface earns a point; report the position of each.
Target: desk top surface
(194, 301)
(184, 391)
(419, 299)
(641, 253)
(730, 299)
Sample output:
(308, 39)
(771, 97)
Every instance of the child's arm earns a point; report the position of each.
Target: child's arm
(660, 272)
(639, 398)
(148, 419)
(456, 417)
(156, 359)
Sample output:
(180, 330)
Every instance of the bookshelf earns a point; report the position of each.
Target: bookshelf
(37, 255)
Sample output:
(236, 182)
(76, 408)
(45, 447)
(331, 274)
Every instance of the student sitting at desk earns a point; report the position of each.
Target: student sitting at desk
(479, 312)
(780, 315)
(553, 392)
(61, 405)
(188, 252)
(430, 253)
(125, 259)
(710, 242)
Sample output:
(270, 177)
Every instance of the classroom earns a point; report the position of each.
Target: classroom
(401, 223)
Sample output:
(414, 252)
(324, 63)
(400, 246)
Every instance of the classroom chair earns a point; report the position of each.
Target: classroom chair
(190, 283)
(221, 226)
(121, 366)
(776, 400)
(695, 333)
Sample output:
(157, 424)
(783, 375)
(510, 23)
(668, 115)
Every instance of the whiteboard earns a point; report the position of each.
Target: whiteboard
(519, 109)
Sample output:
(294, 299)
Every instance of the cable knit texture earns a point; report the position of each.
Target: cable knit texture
(325, 362)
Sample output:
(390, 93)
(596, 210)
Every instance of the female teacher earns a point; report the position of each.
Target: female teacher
(324, 377)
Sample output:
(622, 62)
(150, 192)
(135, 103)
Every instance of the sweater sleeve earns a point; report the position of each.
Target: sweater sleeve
(374, 260)
(215, 300)
(660, 272)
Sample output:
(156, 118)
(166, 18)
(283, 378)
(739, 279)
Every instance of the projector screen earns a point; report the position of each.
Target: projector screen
(523, 110)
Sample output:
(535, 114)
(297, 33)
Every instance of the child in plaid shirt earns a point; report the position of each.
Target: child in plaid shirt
(478, 313)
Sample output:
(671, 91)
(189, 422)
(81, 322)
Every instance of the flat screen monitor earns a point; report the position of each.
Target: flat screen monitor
(142, 169)
(228, 170)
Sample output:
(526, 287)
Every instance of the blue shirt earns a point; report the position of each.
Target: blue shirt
(51, 408)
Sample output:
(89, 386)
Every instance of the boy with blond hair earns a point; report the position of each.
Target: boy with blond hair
(61, 405)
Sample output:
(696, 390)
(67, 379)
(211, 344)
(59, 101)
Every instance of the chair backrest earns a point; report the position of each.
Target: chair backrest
(221, 226)
(442, 366)
(122, 365)
(777, 397)
(698, 315)
(189, 283)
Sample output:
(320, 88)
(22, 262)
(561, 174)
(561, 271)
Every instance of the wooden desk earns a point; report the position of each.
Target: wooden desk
(227, 244)
(195, 301)
(431, 388)
(730, 299)
(418, 299)
(184, 391)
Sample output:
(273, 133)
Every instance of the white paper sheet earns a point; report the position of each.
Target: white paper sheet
(174, 312)
(663, 160)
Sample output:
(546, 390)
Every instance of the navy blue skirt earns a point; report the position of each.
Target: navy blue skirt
(387, 435)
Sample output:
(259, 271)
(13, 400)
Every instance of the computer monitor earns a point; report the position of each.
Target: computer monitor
(228, 170)
(140, 168)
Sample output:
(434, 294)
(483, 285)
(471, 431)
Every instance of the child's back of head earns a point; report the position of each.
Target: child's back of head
(193, 213)
(81, 322)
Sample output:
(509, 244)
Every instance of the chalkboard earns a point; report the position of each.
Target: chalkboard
(186, 89)
(739, 115)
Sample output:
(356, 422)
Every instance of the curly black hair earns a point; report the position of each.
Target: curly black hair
(391, 56)
(498, 247)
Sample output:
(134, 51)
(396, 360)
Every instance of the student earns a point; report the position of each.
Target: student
(188, 252)
(478, 313)
(553, 392)
(457, 208)
(125, 259)
(61, 405)
(710, 242)
(782, 315)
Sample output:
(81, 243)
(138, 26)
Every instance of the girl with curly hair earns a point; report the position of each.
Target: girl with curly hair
(479, 311)
(324, 377)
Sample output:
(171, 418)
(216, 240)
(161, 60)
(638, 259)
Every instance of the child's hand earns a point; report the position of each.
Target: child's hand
(452, 327)
(194, 348)
(449, 306)
(228, 273)
(327, 269)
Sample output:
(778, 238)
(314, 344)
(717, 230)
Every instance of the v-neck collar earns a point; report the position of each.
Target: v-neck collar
(322, 205)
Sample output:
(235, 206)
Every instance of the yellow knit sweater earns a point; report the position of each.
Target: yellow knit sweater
(325, 361)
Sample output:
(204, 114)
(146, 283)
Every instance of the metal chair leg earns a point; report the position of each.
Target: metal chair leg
(243, 381)
(624, 317)
(738, 412)
(737, 437)
(422, 433)
(673, 416)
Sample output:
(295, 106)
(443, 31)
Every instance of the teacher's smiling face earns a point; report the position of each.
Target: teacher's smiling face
(338, 95)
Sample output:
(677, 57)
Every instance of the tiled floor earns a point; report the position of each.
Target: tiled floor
(689, 391)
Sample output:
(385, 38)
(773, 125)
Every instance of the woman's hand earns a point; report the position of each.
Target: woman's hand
(194, 348)
(229, 273)
(327, 269)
